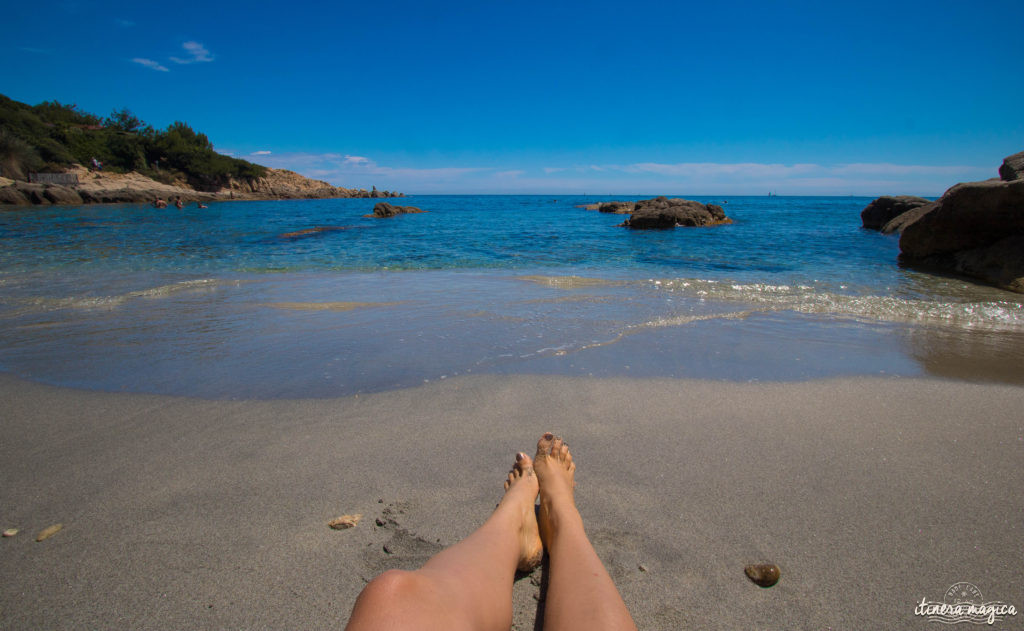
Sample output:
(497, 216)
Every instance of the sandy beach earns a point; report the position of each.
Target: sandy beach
(869, 494)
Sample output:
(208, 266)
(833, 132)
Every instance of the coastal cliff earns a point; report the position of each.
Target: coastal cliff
(43, 148)
(110, 188)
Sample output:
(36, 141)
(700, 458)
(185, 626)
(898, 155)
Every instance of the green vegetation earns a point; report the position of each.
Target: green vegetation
(51, 136)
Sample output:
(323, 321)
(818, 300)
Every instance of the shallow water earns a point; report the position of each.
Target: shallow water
(228, 302)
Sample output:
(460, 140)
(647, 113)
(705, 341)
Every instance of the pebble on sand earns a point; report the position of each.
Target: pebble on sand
(345, 521)
(46, 533)
(10, 532)
(765, 574)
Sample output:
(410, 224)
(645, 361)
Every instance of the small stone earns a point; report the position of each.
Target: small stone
(764, 574)
(642, 567)
(345, 521)
(379, 522)
(387, 550)
(10, 532)
(380, 501)
(46, 533)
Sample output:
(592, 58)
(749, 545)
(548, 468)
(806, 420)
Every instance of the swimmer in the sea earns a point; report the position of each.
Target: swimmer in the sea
(469, 585)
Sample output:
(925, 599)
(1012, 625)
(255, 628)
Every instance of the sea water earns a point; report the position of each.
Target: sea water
(312, 298)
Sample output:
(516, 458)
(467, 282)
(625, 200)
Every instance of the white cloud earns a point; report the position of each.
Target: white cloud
(640, 178)
(149, 63)
(197, 51)
(263, 152)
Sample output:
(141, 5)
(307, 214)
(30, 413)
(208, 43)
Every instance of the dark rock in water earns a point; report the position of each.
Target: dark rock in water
(974, 229)
(967, 216)
(903, 220)
(12, 195)
(1012, 167)
(1001, 263)
(886, 208)
(662, 212)
(617, 208)
(764, 574)
(310, 232)
(61, 195)
(384, 209)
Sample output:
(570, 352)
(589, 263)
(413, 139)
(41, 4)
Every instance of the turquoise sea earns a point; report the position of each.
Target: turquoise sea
(229, 302)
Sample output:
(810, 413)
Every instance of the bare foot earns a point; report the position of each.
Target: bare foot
(521, 495)
(556, 473)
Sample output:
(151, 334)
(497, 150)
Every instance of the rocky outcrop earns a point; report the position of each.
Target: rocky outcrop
(284, 184)
(384, 209)
(25, 193)
(975, 229)
(886, 208)
(104, 187)
(661, 212)
(903, 220)
(1012, 168)
(618, 208)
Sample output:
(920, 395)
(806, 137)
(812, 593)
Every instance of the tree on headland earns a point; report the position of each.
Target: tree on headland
(52, 136)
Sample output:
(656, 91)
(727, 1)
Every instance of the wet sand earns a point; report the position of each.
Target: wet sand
(870, 494)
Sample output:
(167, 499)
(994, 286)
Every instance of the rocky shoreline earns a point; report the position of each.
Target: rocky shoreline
(99, 187)
(976, 229)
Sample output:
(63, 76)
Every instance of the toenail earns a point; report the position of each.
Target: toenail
(520, 456)
(548, 436)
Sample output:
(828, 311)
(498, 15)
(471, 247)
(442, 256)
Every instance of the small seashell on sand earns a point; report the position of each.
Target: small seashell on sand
(764, 574)
(10, 532)
(345, 521)
(46, 533)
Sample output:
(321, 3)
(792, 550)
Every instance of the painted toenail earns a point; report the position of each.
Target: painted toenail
(520, 456)
(548, 436)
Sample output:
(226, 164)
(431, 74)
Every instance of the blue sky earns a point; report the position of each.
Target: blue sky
(736, 97)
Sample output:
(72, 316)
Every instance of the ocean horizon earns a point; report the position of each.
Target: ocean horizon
(310, 298)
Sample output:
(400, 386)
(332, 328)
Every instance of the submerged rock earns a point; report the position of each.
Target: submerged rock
(661, 212)
(384, 209)
(763, 574)
(888, 207)
(310, 232)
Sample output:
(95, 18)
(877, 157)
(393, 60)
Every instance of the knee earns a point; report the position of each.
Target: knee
(392, 586)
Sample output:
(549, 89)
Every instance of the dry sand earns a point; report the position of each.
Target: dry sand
(870, 495)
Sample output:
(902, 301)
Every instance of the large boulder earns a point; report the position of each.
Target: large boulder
(974, 229)
(61, 195)
(12, 195)
(662, 212)
(384, 209)
(1012, 167)
(903, 220)
(886, 208)
(617, 208)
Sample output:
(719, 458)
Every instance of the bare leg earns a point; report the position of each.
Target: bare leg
(580, 595)
(466, 586)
